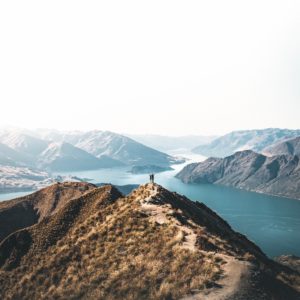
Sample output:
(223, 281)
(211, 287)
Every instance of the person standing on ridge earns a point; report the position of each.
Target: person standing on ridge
(152, 178)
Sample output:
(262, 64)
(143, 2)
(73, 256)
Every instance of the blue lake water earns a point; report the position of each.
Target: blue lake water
(273, 223)
(8, 196)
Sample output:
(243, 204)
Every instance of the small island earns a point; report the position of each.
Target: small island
(146, 169)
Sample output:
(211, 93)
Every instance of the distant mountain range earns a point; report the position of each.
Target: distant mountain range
(112, 145)
(77, 241)
(276, 175)
(70, 151)
(63, 156)
(168, 143)
(256, 140)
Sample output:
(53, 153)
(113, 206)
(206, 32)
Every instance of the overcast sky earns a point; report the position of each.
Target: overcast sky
(166, 67)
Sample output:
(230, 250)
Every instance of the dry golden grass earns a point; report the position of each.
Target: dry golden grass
(116, 252)
(104, 246)
(31, 209)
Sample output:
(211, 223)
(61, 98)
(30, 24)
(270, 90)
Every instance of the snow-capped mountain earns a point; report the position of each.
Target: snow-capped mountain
(70, 151)
(22, 142)
(11, 157)
(26, 157)
(61, 156)
(119, 147)
(122, 148)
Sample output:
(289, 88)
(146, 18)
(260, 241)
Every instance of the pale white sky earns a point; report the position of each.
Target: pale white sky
(167, 67)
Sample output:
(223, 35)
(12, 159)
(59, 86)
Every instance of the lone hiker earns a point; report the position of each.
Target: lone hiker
(152, 178)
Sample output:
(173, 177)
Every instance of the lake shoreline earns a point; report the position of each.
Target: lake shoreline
(272, 222)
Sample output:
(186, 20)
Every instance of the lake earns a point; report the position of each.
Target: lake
(273, 223)
(8, 196)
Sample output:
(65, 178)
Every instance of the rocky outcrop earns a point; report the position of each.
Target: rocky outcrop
(291, 261)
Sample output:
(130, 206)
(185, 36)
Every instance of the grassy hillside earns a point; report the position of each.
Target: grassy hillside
(152, 244)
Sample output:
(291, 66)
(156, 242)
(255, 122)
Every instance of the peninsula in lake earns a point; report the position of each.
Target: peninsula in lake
(277, 175)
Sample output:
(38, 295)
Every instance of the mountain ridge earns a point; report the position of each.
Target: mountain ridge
(31, 209)
(100, 245)
(62, 156)
(91, 150)
(256, 140)
(121, 148)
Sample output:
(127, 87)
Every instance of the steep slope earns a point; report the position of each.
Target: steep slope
(110, 148)
(22, 142)
(28, 210)
(256, 140)
(278, 175)
(289, 147)
(152, 244)
(11, 157)
(66, 157)
(122, 148)
(116, 146)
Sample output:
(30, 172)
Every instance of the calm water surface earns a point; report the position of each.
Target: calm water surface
(273, 223)
(4, 196)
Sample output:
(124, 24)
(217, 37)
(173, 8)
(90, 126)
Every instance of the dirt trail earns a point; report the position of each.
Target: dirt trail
(235, 274)
(159, 214)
